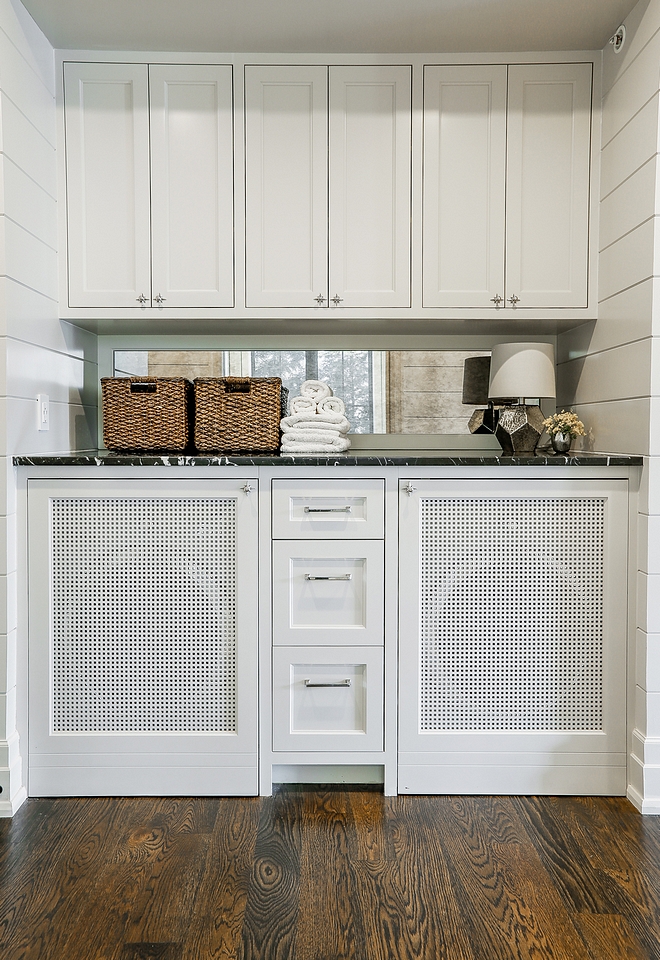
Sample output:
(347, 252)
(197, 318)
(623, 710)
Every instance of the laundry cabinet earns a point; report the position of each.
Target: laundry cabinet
(143, 637)
(512, 636)
(328, 622)
(328, 186)
(507, 157)
(149, 185)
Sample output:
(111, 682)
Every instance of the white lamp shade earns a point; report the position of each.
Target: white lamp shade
(522, 370)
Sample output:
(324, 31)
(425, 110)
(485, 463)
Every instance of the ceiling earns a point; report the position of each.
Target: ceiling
(329, 26)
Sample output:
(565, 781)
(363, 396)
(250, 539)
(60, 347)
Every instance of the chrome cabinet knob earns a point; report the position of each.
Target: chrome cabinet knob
(497, 300)
(141, 298)
(320, 299)
(337, 299)
(159, 299)
(513, 300)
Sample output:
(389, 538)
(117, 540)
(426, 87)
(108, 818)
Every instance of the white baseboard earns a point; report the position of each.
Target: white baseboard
(9, 807)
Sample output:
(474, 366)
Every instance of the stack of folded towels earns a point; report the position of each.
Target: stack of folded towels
(317, 423)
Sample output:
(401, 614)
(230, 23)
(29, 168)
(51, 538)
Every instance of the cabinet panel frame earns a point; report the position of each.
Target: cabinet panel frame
(220, 78)
(134, 764)
(493, 78)
(135, 76)
(520, 762)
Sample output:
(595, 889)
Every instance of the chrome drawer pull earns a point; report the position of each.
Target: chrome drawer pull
(327, 510)
(322, 683)
(344, 576)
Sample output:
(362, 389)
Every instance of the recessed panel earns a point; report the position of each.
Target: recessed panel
(328, 593)
(328, 698)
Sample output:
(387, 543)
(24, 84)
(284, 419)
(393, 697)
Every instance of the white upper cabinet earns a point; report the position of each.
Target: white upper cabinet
(370, 116)
(192, 214)
(149, 175)
(107, 158)
(547, 218)
(464, 173)
(506, 185)
(286, 185)
(328, 186)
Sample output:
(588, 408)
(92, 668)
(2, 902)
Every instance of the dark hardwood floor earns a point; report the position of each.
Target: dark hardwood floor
(315, 874)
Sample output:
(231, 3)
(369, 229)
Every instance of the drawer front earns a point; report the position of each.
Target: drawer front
(327, 699)
(327, 593)
(328, 509)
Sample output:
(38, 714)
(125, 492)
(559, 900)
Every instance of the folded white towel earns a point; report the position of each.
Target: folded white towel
(307, 436)
(305, 405)
(316, 389)
(331, 405)
(318, 421)
(339, 445)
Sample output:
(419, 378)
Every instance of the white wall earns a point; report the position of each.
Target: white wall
(38, 353)
(609, 371)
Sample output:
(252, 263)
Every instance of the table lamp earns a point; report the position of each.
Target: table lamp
(521, 370)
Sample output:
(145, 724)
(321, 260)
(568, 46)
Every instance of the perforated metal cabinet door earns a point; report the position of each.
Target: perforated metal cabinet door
(143, 638)
(513, 636)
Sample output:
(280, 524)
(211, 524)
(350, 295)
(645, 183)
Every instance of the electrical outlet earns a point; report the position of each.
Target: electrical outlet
(43, 412)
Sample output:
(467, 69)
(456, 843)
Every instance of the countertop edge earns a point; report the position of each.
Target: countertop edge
(339, 460)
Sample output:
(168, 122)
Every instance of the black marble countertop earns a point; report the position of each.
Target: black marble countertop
(439, 458)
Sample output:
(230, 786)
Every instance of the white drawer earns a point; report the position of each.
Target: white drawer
(330, 509)
(327, 699)
(328, 593)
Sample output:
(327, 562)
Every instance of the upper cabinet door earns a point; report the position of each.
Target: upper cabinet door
(370, 132)
(107, 159)
(549, 115)
(286, 186)
(464, 176)
(192, 184)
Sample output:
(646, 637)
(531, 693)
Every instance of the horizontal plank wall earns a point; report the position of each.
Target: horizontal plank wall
(609, 370)
(39, 354)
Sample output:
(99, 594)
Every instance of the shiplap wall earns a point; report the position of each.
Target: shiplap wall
(609, 371)
(38, 353)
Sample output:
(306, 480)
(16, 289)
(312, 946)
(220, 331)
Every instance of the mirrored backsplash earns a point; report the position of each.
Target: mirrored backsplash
(385, 391)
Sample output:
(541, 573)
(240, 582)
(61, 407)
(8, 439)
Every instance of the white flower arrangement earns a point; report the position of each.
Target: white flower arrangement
(565, 422)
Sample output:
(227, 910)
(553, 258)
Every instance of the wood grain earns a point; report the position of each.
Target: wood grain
(330, 874)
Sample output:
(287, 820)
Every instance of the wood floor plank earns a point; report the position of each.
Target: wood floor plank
(609, 938)
(407, 903)
(216, 926)
(329, 922)
(271, 911)
(372, 839)
(583, 888)
(507, 899)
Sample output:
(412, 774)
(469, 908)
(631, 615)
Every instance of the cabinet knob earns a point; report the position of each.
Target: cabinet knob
(409, 489)
(320, 299)
(247, 488)
(497, 299)
(141, 298)
(337, 299)
(513, 300)
(159, 299)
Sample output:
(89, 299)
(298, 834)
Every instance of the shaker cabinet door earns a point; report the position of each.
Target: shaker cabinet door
(192, 218)
(370, 126)
(286, 174)
(107, 161)
(464, 174)
(547, 219)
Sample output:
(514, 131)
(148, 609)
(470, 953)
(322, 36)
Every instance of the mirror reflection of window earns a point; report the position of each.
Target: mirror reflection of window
(396, 391)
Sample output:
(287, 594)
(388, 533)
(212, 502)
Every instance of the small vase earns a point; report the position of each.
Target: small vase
(561, 442)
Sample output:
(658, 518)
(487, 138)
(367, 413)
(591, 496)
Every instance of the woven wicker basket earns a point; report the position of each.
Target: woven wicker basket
(146, 413)
(239, 414)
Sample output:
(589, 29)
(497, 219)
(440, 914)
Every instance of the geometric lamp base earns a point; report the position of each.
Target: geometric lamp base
(519, 429)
